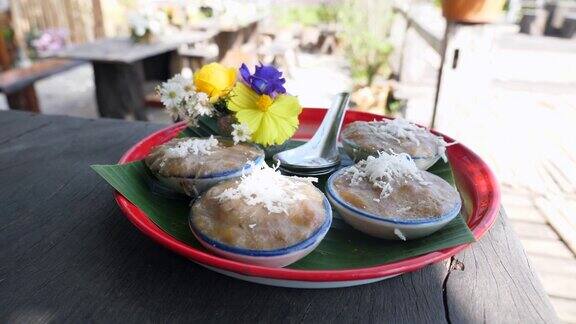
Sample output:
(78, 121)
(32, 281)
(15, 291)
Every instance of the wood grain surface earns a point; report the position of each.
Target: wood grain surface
(67, 254)
(124, 50)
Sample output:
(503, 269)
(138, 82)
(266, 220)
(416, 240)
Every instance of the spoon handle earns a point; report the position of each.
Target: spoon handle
(326, 137)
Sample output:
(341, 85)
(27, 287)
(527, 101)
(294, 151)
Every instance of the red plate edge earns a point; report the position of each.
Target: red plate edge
(479, 181)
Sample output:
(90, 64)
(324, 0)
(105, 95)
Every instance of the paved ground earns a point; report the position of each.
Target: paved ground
(523, 127)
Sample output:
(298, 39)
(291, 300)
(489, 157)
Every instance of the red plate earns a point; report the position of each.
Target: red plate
(473, 175)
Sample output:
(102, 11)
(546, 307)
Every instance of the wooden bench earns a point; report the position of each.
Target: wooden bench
(18, 84)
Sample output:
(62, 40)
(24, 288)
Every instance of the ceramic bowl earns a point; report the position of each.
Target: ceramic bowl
(268, 258)
(387, 228)
(358, 153)
(195, 186)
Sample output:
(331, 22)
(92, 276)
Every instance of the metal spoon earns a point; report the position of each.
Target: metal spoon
(319, 155)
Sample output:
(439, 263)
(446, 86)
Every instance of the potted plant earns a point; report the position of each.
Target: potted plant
(472, 11)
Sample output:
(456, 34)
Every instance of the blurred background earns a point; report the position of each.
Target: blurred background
(498, 75)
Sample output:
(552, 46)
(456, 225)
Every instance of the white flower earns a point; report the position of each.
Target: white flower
(171, 94)
(241, 133)
(138, 24)
(189, 107)
(184, 82)
(198, 104)
(154, 26)
(204, 110)
(203, 105)
(156, 21)
(147, 20)
(203, 98)
(183, 102)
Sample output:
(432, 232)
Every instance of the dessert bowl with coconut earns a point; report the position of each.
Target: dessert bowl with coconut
(389, 197)
(263, 218)
(193, 165)
(362, 139)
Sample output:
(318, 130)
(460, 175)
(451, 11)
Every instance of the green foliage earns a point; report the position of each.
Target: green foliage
(327, 12)
(306, 15)
(365, 35)
(394, 106)
(7, 33)
(364, 31)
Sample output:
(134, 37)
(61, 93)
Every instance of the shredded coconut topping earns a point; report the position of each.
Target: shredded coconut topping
(385, 170)
(400, 128)
(267, 186)
(195, 146)
(404, 209)
(400, 235)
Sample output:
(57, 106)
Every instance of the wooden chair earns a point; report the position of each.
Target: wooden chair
(18, 84)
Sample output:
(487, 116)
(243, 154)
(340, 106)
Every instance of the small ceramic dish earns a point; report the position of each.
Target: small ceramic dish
(361, 139)
(391, 228)
(195, 184)
(275, 258)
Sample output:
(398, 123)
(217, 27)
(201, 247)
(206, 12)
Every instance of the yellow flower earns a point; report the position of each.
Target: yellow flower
(215, 80)
(271, 121)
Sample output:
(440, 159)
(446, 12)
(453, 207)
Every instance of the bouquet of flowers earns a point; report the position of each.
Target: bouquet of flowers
(251, 108)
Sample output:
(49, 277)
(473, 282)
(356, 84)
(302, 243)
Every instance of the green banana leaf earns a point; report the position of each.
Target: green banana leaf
(342, 248)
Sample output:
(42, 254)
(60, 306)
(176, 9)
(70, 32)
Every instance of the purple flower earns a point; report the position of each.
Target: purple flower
(265, 80)
(50, 40)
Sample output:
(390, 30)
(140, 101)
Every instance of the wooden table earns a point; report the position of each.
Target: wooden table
(69, 255)
(230, 36)
(122, 66)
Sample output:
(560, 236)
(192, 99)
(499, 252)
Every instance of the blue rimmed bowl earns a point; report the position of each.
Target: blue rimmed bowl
(357, 153)
(194, 186)
(276, 258)
(390, 228)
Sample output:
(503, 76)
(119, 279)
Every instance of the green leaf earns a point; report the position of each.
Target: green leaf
(133, 181)
(206, 126)
(209, 124)
(343, 247)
